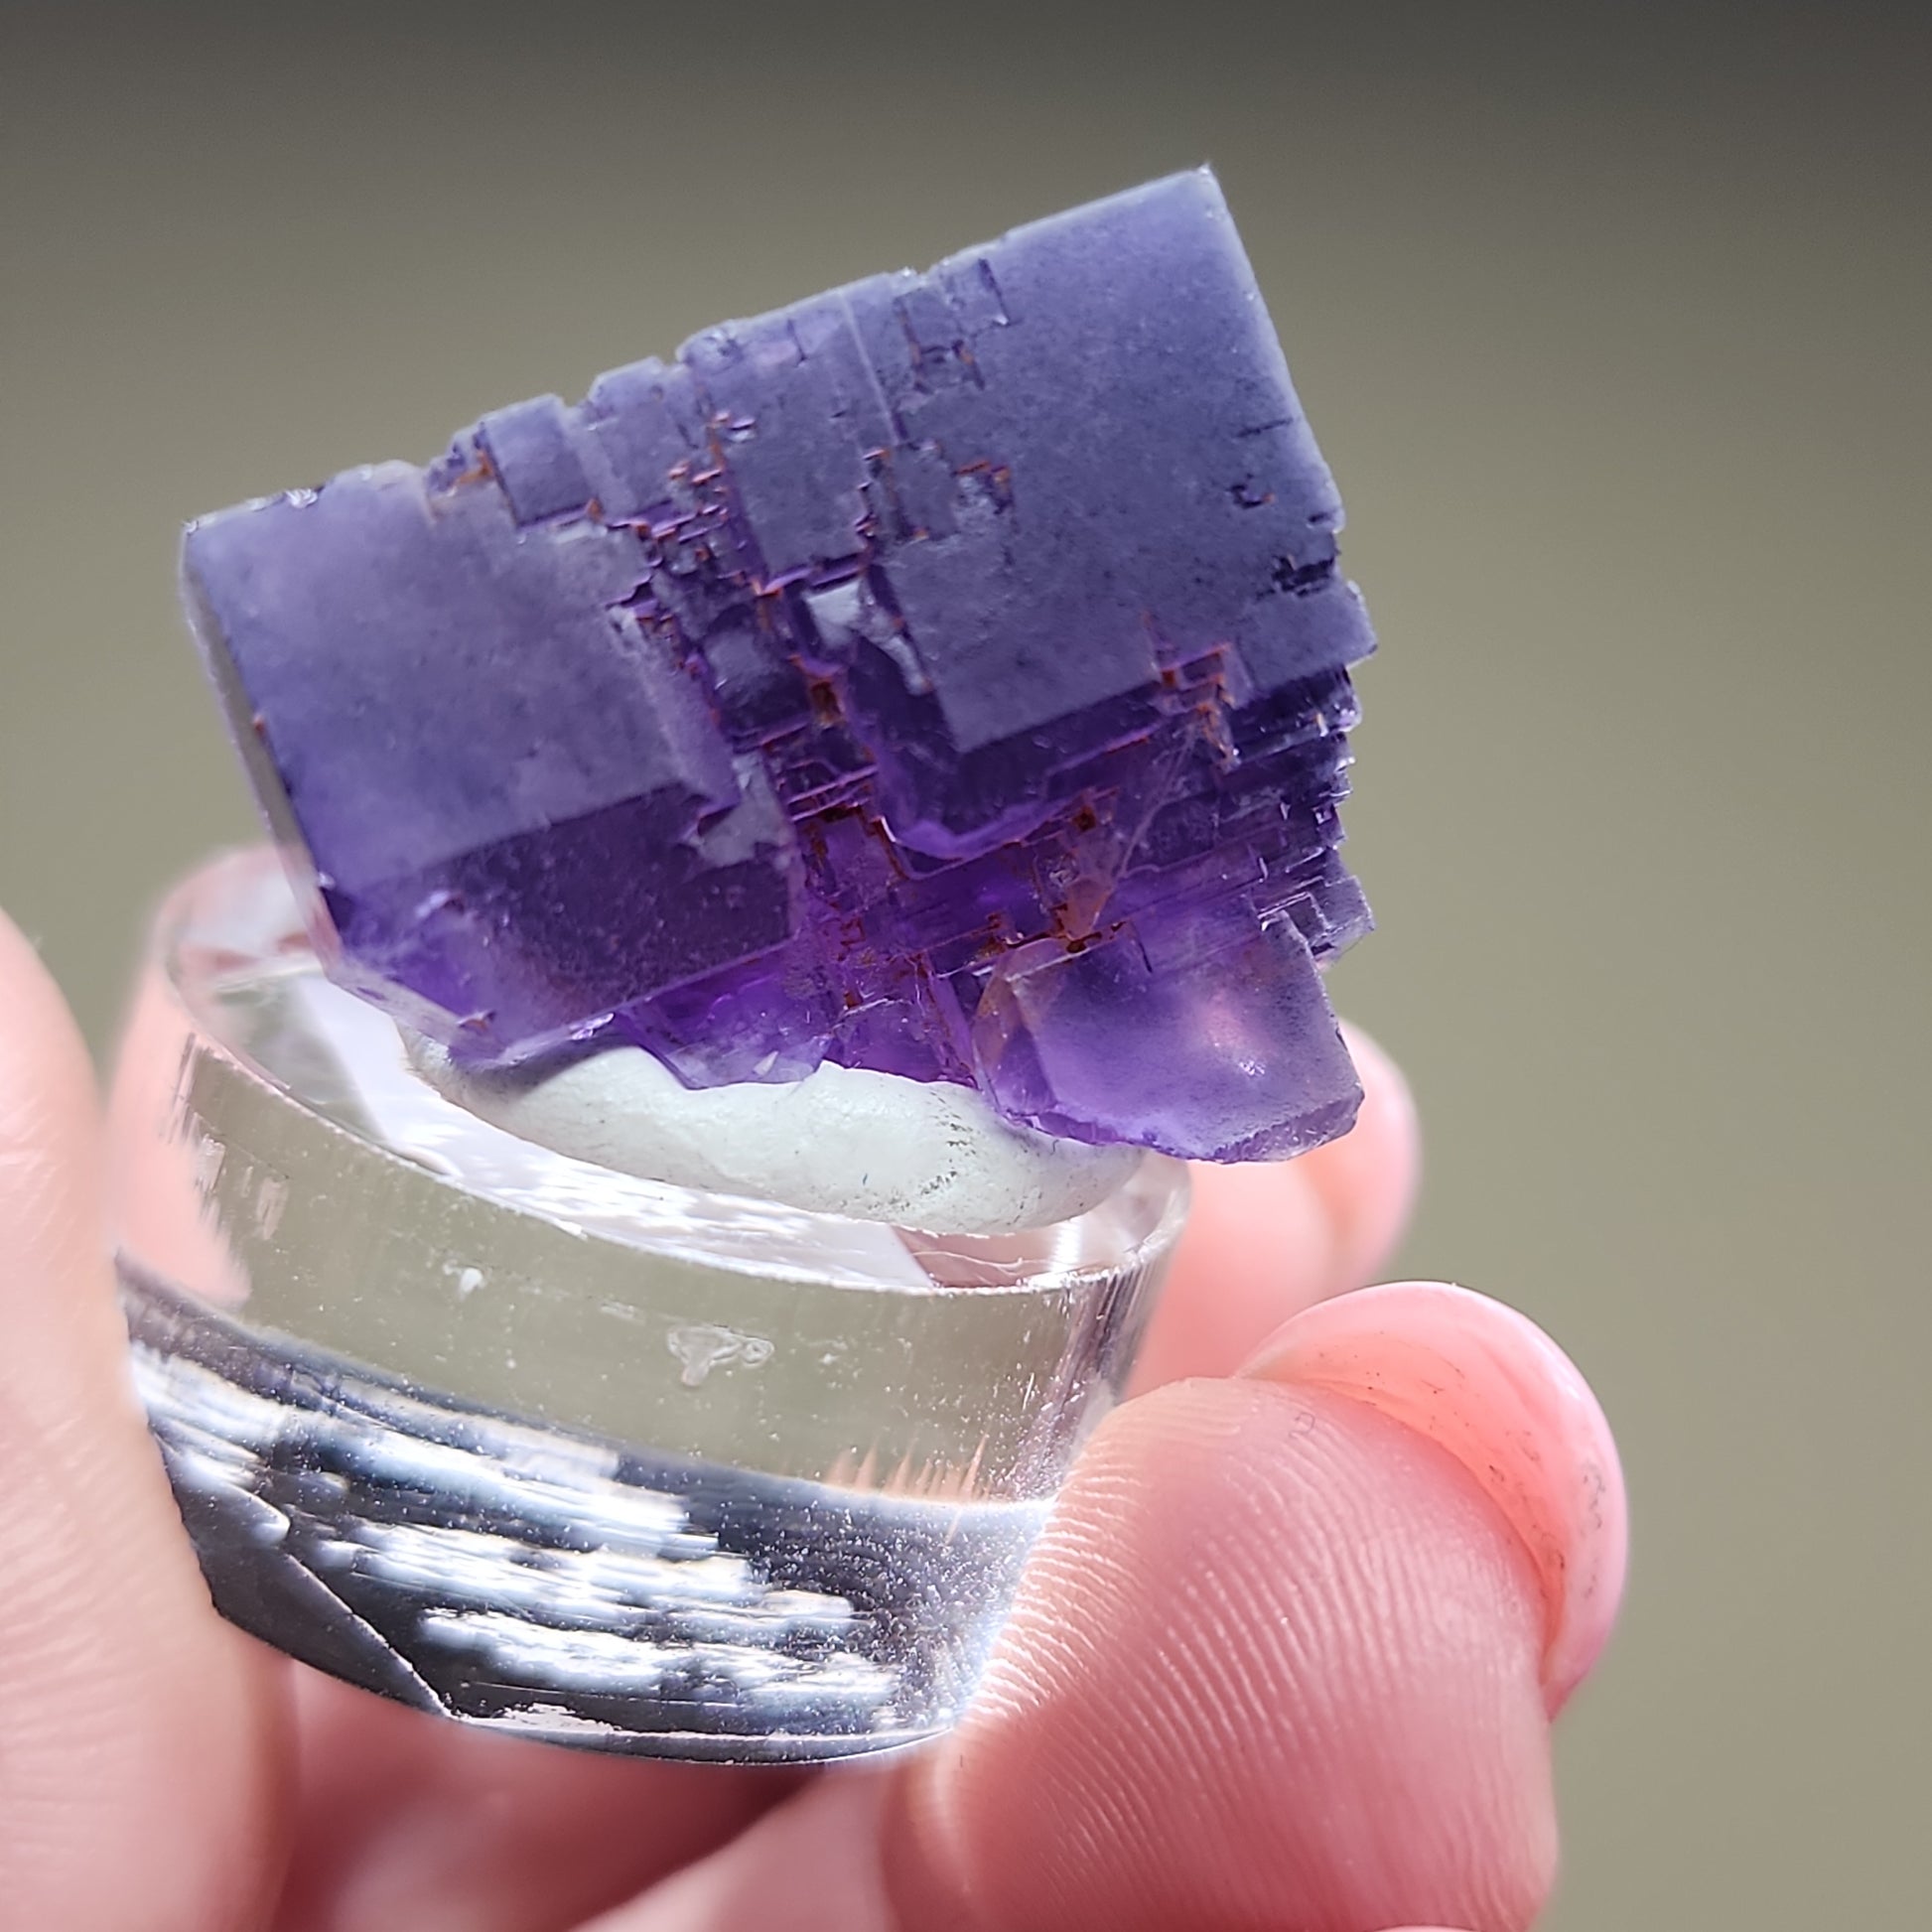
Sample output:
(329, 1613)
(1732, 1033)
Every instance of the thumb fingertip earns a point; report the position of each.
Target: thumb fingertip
(1486, 1385)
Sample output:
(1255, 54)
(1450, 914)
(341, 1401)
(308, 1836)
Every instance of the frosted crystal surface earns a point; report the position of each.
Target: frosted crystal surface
(945, 675)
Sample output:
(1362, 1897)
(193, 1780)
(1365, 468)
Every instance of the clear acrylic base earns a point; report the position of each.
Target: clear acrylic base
(559, 1451)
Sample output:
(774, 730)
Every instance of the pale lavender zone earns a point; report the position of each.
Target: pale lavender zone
(945, 674)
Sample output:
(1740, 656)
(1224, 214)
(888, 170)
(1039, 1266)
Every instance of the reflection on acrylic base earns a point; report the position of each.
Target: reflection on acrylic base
(526, 1580)
(562, 1451)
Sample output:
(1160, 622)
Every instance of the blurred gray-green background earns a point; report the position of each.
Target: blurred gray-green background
(1613, 323)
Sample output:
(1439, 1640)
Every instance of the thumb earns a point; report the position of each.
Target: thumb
(1285, 1656)
(138, 1784)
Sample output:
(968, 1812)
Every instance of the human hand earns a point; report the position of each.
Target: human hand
(1286, 1656)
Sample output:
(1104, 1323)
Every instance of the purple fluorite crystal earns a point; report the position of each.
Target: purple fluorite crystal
(945, 675)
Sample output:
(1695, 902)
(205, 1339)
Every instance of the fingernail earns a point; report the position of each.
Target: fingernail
(1488, 1387)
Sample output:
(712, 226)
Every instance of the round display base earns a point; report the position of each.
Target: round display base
(521, 1580)
(559, 1451)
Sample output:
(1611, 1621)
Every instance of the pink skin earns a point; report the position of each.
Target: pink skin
(1491, 1389)
(1267, 1241)
(1286, 1657)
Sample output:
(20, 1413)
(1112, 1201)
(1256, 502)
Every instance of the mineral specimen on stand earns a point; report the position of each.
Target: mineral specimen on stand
(944, 675)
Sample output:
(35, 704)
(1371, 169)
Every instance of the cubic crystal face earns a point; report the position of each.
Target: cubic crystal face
(946, 674)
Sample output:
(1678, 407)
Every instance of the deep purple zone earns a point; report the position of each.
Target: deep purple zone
(944, 675)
